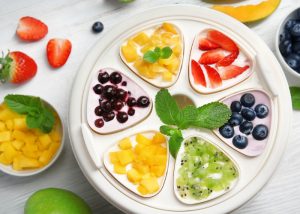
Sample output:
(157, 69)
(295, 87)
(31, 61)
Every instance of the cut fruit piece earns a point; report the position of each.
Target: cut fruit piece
(113, 157)
(129, 52)
(228, 60)
(205, 45)
(125, 156)
(221, 39)
(211, 57)
(158, 138)
(125, 143)
(142, 139)
(214, 77)
(5, 136)
(142, 190)
(119, 169)
(141, 38)
(250, 13)
(231, 71)
(150, 184)
(198, 74)
(133, 176)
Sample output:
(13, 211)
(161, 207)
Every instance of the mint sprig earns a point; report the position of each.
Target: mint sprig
(37, 114)
(210, 116)
(295, 93)
(158, 53)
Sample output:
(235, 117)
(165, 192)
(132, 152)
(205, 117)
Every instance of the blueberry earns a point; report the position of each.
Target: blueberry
(98, 111)
(285, 47)
(240, 142)
(296, 48)
(131, 111)
(285, 35)
(99, 123)
(131, 101)
(236, 106)
(261, 111)
(295, 31)
(248, 114)
(108, 116)
(106, 106)
(235, 119)
(246, 127)
(122, 117)
(260, 132)
(109, 92)
(103, 77)
(98, 27)
(143, 102)
(121, 94)
(290, 24)
(98, 88)
(115, 77)
(248, 100)
(117, 105)
(226, 131)
(293, 61)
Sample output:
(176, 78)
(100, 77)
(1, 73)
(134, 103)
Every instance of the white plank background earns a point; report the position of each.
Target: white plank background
(73, 19)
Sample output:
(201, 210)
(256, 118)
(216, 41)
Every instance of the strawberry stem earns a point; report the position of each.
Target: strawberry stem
(5, 65)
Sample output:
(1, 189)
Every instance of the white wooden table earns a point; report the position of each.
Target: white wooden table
(73, 19)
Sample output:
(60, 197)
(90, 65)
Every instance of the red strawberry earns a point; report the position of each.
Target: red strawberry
(224, 41)
(197, 73)
(231, 71)
(228, 60)
(211, 57)
(205, 45)
(58, 52)
(214, 77)
(31, 29)
(16, 67)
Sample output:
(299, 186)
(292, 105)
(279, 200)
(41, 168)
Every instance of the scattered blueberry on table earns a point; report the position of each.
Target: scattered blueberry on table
(97, 27)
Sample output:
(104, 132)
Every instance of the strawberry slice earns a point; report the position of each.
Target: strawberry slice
(231, 71)
(31, 29)
(228, 60)
(198, 74)
(58, 52)
(224, 41)
(205, 45)
(211, 57)
(17, 67)
(214, 77)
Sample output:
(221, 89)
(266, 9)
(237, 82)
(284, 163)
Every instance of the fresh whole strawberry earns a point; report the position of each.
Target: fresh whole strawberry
(17, 67)
(31, 29)
(58, 52)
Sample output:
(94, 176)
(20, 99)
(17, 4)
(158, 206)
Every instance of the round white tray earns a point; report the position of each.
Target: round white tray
(268, 75)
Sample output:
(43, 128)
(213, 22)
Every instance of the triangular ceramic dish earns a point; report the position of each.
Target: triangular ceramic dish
(164, 72)
(203, 171)
(254, 146)
(141, 168)
(217, 62)
(111, 95)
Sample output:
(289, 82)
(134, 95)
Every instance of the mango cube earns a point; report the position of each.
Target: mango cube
(125, 157)
(142, 190)
(45, 140)
(125, 143)
(169, 27)
(18, 135)
(158, 138)
(140, 167)
(129, 52)
(9, 124)
(158, 171)
(9, 152)
(17, 144)
(167, 76)
(20, 123)
(133, 176)
(139, 148)
(3, 160)
(119, 169)
(150, 184)
(141, 38)
(5, 136)
(7, 114)
(26, 163)
(2, 126)
(113, 157)
(142, 139)
(45, 157)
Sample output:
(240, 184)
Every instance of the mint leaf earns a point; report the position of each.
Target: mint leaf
(151, 56)
(37, 114)
(169, 131)
(175, 143)
(166, 52)
(166, 107)
(186, 117)
(295, 93)
(157, 50)
(212, 115)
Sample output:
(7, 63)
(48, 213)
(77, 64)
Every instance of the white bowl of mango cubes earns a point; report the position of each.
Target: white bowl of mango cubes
(24, 151)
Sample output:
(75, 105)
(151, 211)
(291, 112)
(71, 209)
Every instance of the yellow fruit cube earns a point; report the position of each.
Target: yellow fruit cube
(2, 126)
(31, 151)
(129, 52)
(113, 157)
(55, 135)
(7, 114)
(173, 67)
(158, 171)
(27, 163)
(125, 143)
(18, 135)
(140, 167)
(45, 157)
(139, 148)
(150, 184)
(45, 140)
(9, 124)
(54, 148)
(147, 47)
(17, 144)
(158, 138)
(142, 190)
(20, 123)
(9, 152)
(30, 138)
(3, 160)
(169, 27)
(177, 50)
(16, 164)
(158, 160)
(125, 157)
(161, 150)
(167, 76)
(141, 38)
(133, 176)
(119, 169)
(158, 68)
(5, 136)
(142, 139)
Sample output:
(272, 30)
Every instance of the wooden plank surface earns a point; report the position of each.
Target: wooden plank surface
(73, 19)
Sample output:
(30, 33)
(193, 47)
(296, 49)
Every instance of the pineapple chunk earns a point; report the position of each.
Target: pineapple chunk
(54, 148)
(158, 68)
(129, 52)
(158, 138)
(119, 169)
(7, 114)
(161, 150)
(45, 140)
(30, 150)
(150, 184)
(20, 123)
(158, 160)
(5, 136)
(18, 135)
(139, 148)
(26, 163)
(17, 144)
(55, 134)
(3, 160)
(142, 190)
(173, 67)
(125, 143)
(113, 157)
(169, 27)
(125, 157)
(177, 50)
(9, 152)
(9, 124)
(142, 139)
(30, 138)
(141, 38)
(45, 157)
(167, 76)
(2, 126)
(158, 171)
(140, 167)
(133, 176)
